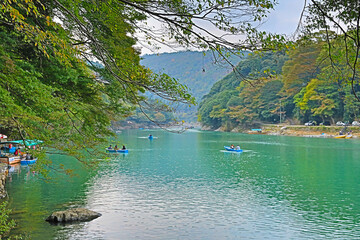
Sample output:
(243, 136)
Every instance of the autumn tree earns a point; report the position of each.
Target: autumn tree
(340, 21)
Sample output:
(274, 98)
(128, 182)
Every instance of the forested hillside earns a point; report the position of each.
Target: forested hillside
(301, 84)
(233, 100)
(197, 70)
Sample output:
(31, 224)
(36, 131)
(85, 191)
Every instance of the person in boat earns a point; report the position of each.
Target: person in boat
(110, 147)
(237, 147)
(232, 146)
(18, 152)
(123, 148)
(28, 156)
(116, 147)
(150, 136)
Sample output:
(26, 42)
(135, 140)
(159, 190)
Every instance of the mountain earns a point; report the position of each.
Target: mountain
(233, 101)
(197, 70)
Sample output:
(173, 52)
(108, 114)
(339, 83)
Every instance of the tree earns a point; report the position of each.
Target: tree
(344, 17)
(319, 98)
(6, 224)
(245, 102)
(304, 64)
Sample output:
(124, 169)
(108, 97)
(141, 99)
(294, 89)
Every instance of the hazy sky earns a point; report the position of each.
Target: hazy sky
(283, 20)
(286, 17)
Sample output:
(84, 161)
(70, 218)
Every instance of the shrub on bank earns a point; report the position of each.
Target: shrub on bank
(6, 224)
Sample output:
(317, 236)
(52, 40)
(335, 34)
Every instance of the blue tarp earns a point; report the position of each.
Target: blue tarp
(26, 142)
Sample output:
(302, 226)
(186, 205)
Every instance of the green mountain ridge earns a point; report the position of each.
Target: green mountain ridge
(197, 70)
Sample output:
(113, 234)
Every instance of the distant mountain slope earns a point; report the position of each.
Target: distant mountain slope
(194, 69)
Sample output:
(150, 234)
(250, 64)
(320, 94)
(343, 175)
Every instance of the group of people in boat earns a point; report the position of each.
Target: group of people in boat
(116, 147)
(233, 147)
(343, 133)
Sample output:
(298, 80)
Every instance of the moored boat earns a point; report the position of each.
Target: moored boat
(28, 161)
(232, 149)
(340, 136)
(255, 131)
(10, 160)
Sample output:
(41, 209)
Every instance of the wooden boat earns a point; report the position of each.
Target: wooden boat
(232, 149)
(10, 160)
(117, 151)
(28, 161)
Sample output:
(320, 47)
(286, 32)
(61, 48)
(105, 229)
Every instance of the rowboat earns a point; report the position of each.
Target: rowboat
(232, 149)
(117, 151)
(28, 161)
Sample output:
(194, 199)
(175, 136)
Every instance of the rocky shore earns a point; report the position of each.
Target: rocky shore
(309, 131)
(299, 130)
(3, 175)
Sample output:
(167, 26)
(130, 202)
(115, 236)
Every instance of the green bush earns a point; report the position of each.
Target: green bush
(6, 224)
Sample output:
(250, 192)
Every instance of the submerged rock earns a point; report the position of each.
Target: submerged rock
(71, 215)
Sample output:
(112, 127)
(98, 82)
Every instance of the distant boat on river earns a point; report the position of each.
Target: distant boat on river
(232, 149)
(344, 136)
(117, 151)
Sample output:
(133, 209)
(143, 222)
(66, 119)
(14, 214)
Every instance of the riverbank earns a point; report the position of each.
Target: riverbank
(3, 175)
(307, 131)
(297, 130)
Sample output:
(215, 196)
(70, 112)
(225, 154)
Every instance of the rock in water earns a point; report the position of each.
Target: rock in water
(71, 215)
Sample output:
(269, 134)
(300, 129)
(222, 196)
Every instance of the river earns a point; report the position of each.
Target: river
(184, 186)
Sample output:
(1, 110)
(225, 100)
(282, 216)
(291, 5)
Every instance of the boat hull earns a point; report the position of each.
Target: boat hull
(28, 162)
(117, 151)
(341, 136)
(232, 150)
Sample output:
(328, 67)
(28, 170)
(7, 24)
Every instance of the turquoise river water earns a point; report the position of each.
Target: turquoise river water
(184, 186)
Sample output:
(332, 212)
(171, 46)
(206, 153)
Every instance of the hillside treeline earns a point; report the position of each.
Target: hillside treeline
(299, 85)
(197, 70)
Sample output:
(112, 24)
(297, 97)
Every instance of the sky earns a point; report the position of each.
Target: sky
(285, 17)
(284, 20)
